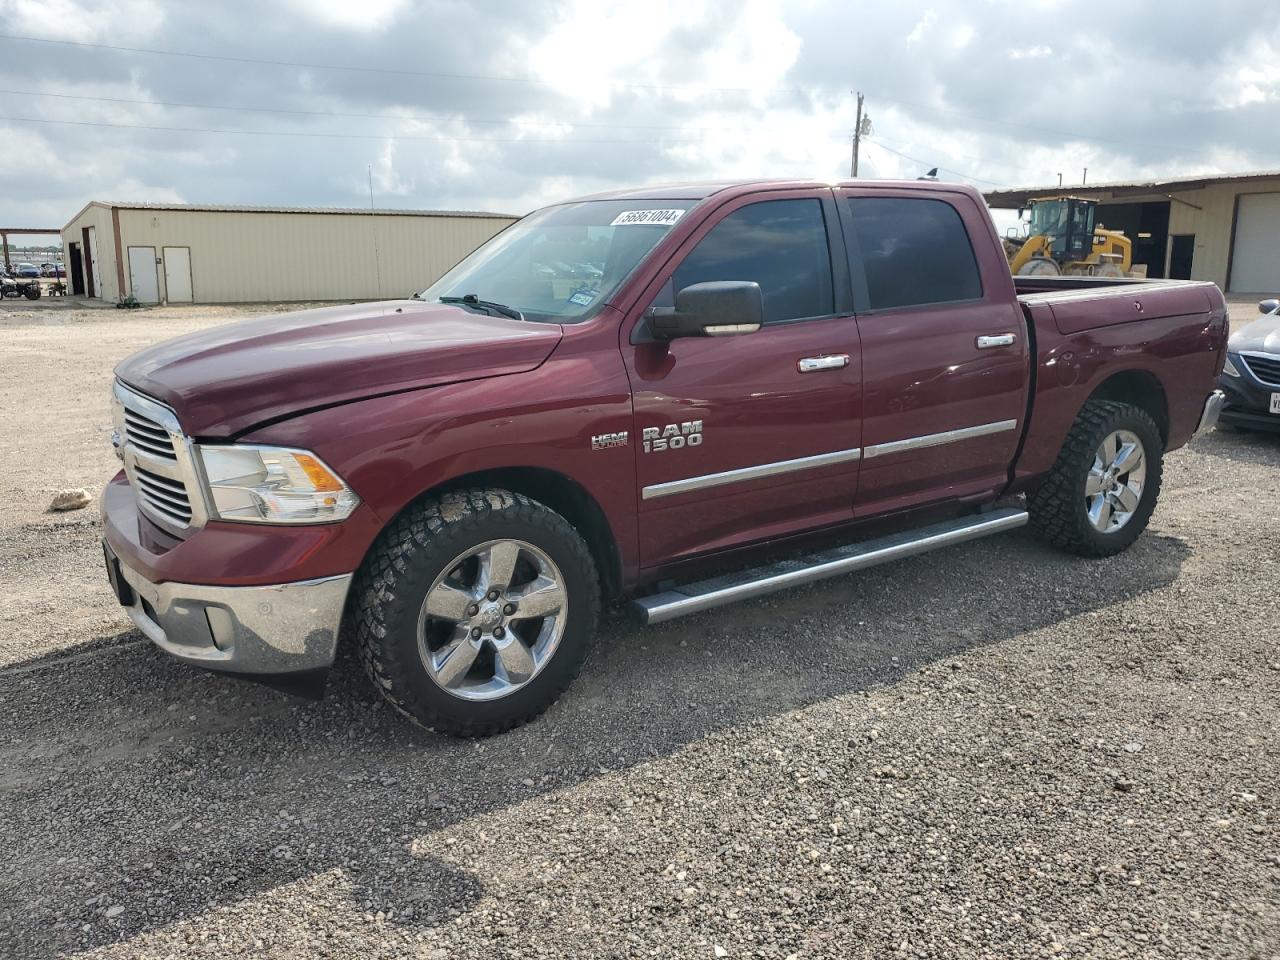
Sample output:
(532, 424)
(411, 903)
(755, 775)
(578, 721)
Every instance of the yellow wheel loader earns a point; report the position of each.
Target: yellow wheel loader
(1064, 240)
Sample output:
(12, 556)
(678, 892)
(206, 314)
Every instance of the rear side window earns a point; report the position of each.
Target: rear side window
(781, 245)
(914, 251)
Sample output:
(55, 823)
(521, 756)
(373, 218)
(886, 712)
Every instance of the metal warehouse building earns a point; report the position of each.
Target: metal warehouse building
(1220, 228)
(180, 253)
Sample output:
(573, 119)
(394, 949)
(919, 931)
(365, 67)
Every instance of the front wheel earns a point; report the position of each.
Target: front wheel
(1099, 495)
(475, 611)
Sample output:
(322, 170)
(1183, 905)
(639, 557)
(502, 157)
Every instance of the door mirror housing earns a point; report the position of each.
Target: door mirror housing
(1269, 306)
(718, 308)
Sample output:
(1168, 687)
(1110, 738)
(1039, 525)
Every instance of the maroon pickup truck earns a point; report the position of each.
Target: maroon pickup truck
(682, 395)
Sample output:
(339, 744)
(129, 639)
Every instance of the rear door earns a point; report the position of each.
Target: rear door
(754, 436)
(944, 349)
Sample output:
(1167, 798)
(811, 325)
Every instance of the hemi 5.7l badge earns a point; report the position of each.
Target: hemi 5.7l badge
(672, 437)
(603, 441)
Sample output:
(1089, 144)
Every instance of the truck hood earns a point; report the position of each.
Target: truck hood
(1260, 336)
(226, 379)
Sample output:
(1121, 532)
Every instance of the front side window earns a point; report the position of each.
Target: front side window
(560, 264)
(779, 244)
(914, 252)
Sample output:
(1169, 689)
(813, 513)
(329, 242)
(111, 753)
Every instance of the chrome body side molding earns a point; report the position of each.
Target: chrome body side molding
(656, 490)
(689, 484)
(938, 439)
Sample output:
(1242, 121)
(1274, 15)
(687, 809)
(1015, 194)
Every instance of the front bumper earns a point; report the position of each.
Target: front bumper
(276, 629)
(1248, 399)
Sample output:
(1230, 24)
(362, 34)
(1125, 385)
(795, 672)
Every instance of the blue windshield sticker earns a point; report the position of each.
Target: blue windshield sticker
(582, 299)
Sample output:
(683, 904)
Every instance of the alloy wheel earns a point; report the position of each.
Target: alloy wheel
(1114, 485)
(492, 620)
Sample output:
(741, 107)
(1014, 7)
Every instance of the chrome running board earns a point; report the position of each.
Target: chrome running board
(718, 591)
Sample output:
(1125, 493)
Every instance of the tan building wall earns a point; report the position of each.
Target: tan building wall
(106, 276)
(1209, 213)
(249, 256)
(1206, 207)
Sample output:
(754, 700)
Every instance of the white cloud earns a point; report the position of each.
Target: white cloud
(922, 26)
(1037, 52)
(365, 16)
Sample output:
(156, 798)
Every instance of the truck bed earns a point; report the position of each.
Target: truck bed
(1084, 303)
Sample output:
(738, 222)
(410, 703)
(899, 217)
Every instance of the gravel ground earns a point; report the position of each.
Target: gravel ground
(991, 751)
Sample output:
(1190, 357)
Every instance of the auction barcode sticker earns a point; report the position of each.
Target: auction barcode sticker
(661, 218)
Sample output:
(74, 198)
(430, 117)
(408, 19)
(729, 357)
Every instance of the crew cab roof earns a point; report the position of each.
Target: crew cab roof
(700, 190)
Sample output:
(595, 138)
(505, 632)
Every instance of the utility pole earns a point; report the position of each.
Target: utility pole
(1059, 181)
(861, 128)
(1084, 177)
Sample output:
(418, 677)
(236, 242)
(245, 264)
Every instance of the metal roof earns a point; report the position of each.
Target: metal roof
(1018, 196)
(253, 208)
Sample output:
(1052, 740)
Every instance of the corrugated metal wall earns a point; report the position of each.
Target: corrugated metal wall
(105, 285)
(247, 257)
(1208, 213)
(1211, 224)
(240, 256)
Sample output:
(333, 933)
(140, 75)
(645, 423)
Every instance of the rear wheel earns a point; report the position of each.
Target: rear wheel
(1100, 494)
(475, 611)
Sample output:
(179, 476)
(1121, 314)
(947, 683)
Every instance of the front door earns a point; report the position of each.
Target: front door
(144, 281)
(944, 349)
(755, 436)
(177, 274)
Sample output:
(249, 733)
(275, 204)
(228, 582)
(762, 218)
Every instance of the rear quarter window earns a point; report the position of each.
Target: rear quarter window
(914, 251)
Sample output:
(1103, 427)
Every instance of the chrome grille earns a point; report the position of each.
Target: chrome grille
(157, 461)
(146, 434)
(165, 495)
(1265, 368)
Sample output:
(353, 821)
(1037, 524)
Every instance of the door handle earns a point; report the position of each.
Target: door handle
(997, 340)
(814, 364)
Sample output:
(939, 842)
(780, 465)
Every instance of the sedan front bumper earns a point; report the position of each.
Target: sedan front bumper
(275, 629)
(1248, 398)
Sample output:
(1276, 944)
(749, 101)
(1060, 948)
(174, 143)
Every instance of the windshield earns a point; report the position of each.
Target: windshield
(561, 263)
(1049, 217)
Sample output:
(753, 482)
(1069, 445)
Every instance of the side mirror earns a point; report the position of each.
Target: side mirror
(1269, 306)
(718, 308)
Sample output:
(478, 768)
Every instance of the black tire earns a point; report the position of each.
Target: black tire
(33, 291)
(409, 556)
(1057, 506)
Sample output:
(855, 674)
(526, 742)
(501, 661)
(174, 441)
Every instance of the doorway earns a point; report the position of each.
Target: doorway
(75, 270)
(90, 278)
(1182, 249)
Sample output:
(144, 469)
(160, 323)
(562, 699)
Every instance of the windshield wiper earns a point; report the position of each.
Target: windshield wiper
(471, 300)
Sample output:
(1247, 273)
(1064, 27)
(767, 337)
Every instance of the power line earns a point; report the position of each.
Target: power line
(338, 136)
(429, 118)
(386, 71)
(930, 165)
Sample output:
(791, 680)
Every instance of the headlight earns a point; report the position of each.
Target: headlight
(273, 485)
(1229, 368)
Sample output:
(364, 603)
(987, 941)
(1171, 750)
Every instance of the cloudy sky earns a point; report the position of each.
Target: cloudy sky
(506, 104)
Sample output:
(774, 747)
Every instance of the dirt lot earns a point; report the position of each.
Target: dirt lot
(993, 751)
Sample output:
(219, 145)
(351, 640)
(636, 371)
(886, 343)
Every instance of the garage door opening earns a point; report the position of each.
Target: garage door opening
(1147, 227)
